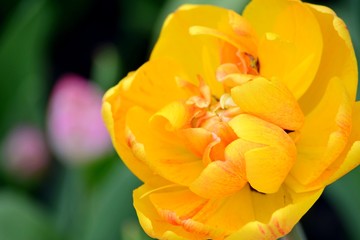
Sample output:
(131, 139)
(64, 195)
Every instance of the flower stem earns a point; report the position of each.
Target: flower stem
(297, 233)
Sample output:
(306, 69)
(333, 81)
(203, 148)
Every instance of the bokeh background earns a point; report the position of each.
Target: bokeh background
(59, 176)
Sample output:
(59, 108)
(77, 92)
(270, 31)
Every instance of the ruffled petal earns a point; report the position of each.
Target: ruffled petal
(278, 217)
(133, 154)
(190, 216)
(267, 166)
(166, 84)
(269, 100)
(244, 215)
(168, 156)
(197, 140)
(324, 135)
(348, 160)
(171, 117)
(286, 51)
(151, 221)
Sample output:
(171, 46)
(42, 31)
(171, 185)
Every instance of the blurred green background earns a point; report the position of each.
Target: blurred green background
(102, 40)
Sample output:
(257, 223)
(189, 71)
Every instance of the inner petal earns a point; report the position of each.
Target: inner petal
(269, 100)
(268, 166)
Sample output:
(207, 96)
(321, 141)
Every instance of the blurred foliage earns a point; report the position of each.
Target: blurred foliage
(23, 67)
(345, 196)
(21, 219)
(43, 39)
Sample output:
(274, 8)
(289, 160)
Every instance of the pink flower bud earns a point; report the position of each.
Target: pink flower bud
(25, 154)
(76, 131)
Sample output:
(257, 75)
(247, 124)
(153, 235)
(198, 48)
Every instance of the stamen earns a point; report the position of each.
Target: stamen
(226, 101)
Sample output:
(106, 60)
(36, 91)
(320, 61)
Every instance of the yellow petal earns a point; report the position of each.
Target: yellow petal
(222, 178)
(279, 217)
(191, 214)
(114, 112)
(210, 62)
(348, 163)
(107, 113)
(152, 86)
(268, 166)
(237, 32)
(176, 42)
(173, 116)
(166, 153)
(218, 179)
(262, 14)
(338, 58)
(269, 100)
(324, 135)
(185, 37)
(287, 51)
(151, 221)
(245, 215)
(348, 160)
(197, 140)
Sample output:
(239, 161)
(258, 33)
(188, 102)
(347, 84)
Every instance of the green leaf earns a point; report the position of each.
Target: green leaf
(172, 5)
(91, 211)
(111, 205)
(21, 219)
(344, 195)
(22, 61)
(72, 204)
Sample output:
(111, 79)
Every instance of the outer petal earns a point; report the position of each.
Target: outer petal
(113, 112)
(338, 64)
(348, 160)
(287, 51)
(338, 59)
(185, 37)
(245, 215)
(151, 221)
(324, 135)
(168, 156)
(151, 87)
(191, 216)
(282, 220)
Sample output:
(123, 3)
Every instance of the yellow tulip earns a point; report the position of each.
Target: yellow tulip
(236, 124)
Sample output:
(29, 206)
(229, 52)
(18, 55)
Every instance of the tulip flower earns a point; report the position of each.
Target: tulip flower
(25, 154)
(76, 131)
(236, 124)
